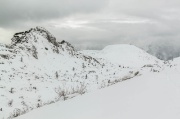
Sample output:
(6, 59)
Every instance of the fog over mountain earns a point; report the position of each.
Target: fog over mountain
(149, 24)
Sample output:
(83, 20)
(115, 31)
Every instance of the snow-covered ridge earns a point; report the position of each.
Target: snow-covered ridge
(124, 54)
(36, 70)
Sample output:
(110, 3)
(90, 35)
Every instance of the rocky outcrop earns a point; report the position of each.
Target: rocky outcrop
(23, 36)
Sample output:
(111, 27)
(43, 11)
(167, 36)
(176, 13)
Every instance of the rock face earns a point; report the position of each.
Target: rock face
(23, 36)
(37, 70)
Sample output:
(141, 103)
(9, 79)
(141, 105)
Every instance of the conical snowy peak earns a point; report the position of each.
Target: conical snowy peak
(22, 37)
(40, 41)
(35, 42)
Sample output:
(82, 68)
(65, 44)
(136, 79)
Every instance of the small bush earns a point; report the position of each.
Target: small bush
(10, 103)
(61, 92)
(16, 113)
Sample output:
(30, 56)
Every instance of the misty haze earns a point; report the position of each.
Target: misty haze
(84, 59)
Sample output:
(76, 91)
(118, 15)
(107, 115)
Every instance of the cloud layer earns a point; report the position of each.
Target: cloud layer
(41, 10)
(95, 24)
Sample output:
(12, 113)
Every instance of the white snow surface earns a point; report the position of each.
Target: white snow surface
(124, 54)
(39, 76)
(150, 96)
(36, 70)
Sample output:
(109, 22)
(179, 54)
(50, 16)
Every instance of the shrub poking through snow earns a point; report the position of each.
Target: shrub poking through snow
(62, 92)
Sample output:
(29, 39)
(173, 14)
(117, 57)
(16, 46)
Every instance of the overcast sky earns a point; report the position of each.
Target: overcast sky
(95, 23)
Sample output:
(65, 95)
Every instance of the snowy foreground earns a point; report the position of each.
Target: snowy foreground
(145, 97)
(45, 79)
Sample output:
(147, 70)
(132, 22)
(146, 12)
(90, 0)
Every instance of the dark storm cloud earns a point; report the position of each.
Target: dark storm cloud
(14, 11)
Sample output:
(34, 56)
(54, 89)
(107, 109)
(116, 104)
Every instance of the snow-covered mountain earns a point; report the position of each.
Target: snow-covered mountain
(36, 70)
(123, 54)
(151, 95)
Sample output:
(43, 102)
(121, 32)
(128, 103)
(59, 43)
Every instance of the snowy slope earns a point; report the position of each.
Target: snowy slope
(36, 70)
(150, 96)
(175, 62)
(123, 54)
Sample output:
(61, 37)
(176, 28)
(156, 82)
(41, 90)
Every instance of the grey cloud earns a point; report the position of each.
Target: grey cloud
(143, 23)
(14, 11)
(153, 9)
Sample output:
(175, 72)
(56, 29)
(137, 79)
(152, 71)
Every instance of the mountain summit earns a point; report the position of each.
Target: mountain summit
(25, 36)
